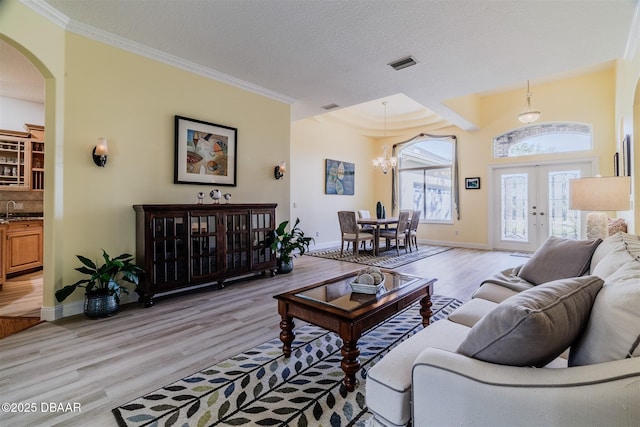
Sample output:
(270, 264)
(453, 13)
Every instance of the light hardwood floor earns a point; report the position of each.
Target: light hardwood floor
(101, 364)
(22, 295)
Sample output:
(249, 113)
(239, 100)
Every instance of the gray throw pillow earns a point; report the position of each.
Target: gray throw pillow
(535, 326)
(558, 259)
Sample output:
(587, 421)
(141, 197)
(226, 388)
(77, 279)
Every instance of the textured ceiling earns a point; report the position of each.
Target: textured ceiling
(317, 52)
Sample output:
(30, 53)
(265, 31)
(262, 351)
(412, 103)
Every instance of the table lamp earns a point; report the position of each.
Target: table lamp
(599, 194)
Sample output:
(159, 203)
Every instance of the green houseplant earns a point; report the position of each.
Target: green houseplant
(284, 244)
(103, 283)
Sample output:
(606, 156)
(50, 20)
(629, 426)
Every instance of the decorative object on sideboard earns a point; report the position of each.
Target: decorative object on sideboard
(598, 194)
(100, 152)
(102, 286)
(529, 115)
(280, 170)
(227, 197)
(205, 153)
(285, 244)
(215, 196)
(200, 198)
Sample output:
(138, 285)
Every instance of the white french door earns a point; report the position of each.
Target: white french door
(531, 203)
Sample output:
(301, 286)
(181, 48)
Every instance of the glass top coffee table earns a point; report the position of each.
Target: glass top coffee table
(332, 305)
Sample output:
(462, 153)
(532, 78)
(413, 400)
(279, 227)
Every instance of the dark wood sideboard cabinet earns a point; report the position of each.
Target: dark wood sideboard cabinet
(181, 246)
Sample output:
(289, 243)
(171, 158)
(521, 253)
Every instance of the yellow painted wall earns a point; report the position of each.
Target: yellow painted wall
(587, 99)
(313, 141)
(102, 91)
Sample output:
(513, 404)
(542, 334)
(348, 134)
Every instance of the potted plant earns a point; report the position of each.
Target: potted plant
(102, 286)
(284, 243)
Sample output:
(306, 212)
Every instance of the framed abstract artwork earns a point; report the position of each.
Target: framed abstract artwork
(472, 183)
(206, 153)
(339, 177)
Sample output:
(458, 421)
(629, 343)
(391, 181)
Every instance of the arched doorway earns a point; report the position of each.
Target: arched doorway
(22, 105)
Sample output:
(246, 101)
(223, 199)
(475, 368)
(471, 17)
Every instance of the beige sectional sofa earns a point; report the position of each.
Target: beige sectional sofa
(553, 342)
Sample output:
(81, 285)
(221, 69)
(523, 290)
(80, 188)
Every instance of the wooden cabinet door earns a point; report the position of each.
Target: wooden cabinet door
(237, 243)
(262, 225)
(24, 247)
(168, 267)
(206, 234)
(2, 256)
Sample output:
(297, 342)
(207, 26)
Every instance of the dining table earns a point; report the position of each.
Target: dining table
(377, 223)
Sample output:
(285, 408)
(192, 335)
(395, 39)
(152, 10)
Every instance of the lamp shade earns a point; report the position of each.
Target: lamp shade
(600, 194)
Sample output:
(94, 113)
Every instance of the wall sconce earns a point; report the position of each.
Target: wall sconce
(100, 152)
(280, 170)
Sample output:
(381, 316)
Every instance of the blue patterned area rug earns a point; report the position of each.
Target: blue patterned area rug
(385, 259)
(261, 387)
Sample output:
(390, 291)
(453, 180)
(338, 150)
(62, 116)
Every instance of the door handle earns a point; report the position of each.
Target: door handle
(541, 213)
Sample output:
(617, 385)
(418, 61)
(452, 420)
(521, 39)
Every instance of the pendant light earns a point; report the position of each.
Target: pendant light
(529, 115)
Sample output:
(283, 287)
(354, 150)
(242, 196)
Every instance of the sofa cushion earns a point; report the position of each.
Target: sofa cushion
(388, 393)
(493, 292)
(613, 330)
(535, 326)
(469, 313)
(615, 243)
(559, 259)
(612, 262)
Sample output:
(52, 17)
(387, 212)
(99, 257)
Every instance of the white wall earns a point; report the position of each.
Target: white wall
(14, 113)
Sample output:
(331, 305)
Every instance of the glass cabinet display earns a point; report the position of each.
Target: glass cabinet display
(12, 163)
(180, 246)
(37, 165)
(22, 159)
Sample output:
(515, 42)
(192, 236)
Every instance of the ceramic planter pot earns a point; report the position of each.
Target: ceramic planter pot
(285, 267)
(98, 306)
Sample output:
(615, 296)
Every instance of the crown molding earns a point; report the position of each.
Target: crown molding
(63, 21)
(634, 34)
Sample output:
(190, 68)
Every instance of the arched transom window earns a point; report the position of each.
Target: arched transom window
(543, 138)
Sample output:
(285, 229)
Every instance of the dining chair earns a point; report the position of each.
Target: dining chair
(350, 232)
(412, 230)
(364, 214)
(398, 233)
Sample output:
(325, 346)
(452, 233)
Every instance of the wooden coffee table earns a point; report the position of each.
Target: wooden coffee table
(331, 305)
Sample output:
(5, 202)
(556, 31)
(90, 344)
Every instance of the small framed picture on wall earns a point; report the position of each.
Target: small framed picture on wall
(472, 183)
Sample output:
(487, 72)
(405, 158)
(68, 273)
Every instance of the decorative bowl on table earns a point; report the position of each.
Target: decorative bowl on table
(369, 281)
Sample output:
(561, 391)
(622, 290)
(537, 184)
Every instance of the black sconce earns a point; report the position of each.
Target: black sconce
(280, 169)
(100, 152)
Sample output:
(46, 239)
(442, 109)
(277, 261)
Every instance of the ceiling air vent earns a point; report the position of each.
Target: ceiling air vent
(330, 106)
(403, 63)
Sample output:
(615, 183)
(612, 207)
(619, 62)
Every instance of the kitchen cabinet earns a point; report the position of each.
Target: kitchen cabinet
(22, 159)
(180, 246)
(23, 246)
(3, 230)
(13, 157)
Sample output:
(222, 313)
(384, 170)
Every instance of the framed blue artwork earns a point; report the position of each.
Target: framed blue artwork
(339, 177)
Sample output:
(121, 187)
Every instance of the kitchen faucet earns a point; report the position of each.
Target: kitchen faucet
(14, 207)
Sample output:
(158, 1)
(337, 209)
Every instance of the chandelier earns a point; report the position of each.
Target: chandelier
(384, 162)
(529, 115)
